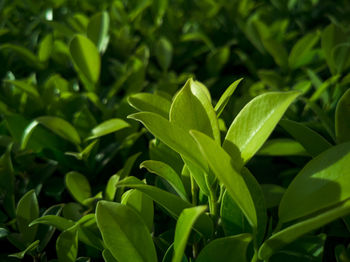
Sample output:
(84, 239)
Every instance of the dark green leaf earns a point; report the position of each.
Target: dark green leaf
(219, 250)
(342, 118)
(27, 211)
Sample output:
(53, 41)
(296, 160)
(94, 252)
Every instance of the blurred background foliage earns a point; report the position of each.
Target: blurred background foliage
(73, 64)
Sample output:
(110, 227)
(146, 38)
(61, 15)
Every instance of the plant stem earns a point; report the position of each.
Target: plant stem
(193, 191)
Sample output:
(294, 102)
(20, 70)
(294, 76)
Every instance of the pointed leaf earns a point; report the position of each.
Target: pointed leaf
(150, 103)
(27, 211)
(7, 183)
(31, 247)
(282, 147)
(67, 245)
(300, 50)
(225, 97)
(291, 233)
(163, 170)
(192, 110)
(222, 165)
(176, 138)
(314, 143)
(255, 122)
(183, 229)
(142, 204)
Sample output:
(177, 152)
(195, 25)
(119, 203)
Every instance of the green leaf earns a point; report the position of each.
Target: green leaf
(108, 127)
(78, 186)
(220, 249)
(3, 232)
(291, 233)
(107, 256)
(86, 58)
(232, 218)
(142, 204)
(217, 59)
(272, 194)
(332, 35)
(58, 126)
(53, 220)
(150, 103)
(313, 143)
(342, 118)
(29, 248)
(111, 187)
(255, 122)
(45, 232)
(165, 171)
(300, 51)
(176, 138)
(27, 211)
(87, 230)
(222, 165)
(7, 183)
(45, 48)
(28, 56)
(325, 175)
(124, 233)
(277, 51)
(97, 30)
(170, 202)
(183, 228)
(282, 147)
(225, 97)
(67, 245)
(164, 53)
(191, 109)
(25, 87)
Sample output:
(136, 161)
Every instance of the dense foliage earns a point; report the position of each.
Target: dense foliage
(241, 146)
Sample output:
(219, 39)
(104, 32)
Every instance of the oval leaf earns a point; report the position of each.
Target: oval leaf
(125, 234)
(108, 127)
(219, 250)
(86, 57)
(78, 186)
(326, 175)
